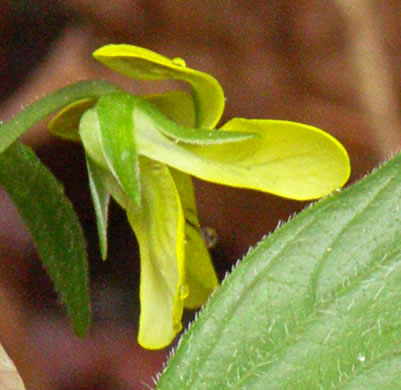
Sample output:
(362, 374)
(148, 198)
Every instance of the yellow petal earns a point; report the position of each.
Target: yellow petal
(143, 64)
(177, 106)
(288, 159)
(159, 228)
(199, 270)
(65, 123)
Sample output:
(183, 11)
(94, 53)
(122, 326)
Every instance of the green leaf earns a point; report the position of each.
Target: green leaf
(317, 305)
(117, 135)
(144, 64)
(288, 159)
(54, 227)
(101, 199)
(13, 129)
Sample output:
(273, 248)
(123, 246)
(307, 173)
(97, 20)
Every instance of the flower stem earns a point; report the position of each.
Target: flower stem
(14, 128)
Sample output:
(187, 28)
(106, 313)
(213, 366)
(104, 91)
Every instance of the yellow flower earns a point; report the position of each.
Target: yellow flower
(141, 150)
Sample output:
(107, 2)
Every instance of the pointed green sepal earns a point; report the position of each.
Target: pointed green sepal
(117, 140)
(101, 199)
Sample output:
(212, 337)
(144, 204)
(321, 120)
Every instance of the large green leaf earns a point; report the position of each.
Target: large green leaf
(54, 227)
(317, 305)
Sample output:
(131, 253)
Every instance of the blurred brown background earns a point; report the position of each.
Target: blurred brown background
(334, 64)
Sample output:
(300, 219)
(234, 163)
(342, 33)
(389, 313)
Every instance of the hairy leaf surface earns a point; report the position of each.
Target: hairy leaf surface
(54, 227)
(317, 305)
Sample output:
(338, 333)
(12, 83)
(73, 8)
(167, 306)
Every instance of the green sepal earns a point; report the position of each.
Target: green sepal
(117, 136)
(100, 199)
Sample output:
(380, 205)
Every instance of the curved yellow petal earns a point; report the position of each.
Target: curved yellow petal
(177, 106)
(159, 228)
(199, 270)
(303, 161)
(144, 64)
(65, 123)
(288, 159)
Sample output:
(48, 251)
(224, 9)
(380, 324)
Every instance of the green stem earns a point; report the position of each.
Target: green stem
(14, 128)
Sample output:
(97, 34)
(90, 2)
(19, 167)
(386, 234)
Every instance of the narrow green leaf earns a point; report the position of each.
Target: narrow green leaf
(100, 198)
(54, 227)
(13, 129)
(89, 132)
(117, 135)
(315, 306)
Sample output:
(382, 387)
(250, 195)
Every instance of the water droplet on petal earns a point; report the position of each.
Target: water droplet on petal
(177, 326)
(209, 235)
(178, 62)
(184, 291)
